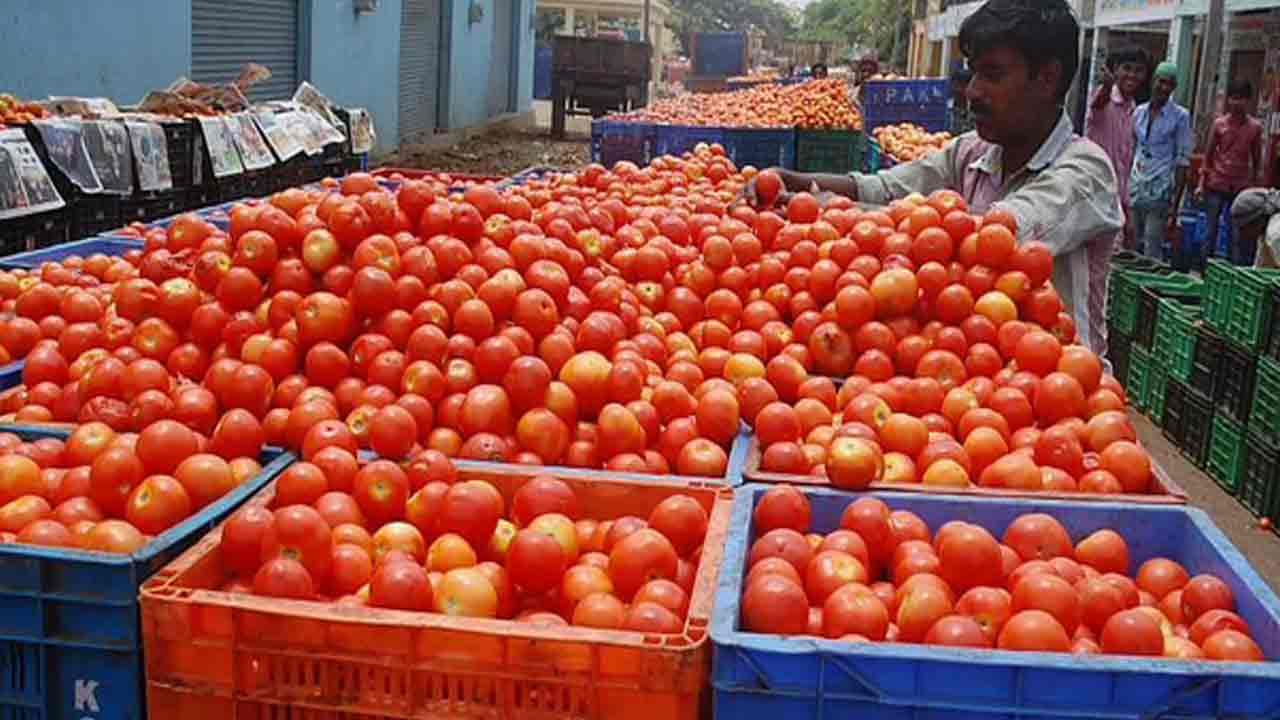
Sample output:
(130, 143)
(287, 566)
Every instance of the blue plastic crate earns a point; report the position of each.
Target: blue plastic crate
(719, 53)
(767, 676)
(613, 142)
(113, 246)
(680, 139)
(744, 146)
(542, 73)
(536, 172)
(923, 102)
(11, 374)
(70, 634)
(761, 148)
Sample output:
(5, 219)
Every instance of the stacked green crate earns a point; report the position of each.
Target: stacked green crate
(1175, 342)
(1248, 312)
(1137, 383)
(1226, 452)
(1157, 383)
(1264, 416)
(1219, 279)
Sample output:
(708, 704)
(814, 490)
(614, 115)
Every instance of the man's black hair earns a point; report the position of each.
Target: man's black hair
(1240, 89)
(1129, 54)
(1041, 30)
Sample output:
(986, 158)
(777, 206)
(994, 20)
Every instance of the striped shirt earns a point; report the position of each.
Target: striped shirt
(1065, 197)
(1111, 126)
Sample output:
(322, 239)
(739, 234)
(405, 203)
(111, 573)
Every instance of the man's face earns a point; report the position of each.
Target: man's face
(1237, 105)
(1162, 89)
(1130, 76)
(1007, 98)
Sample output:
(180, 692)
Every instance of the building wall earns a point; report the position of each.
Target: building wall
(83, 47)
(471, 45)
(355, 60)
(101, 49)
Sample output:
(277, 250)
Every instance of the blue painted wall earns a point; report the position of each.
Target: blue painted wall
(524, 53)
(472, 50)
(355, 60)
(93, 48)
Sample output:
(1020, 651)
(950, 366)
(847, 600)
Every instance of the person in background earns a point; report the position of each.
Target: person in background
(961, 118)
(1024, 158)
(1162, 129)
(1232, 162)
(1110, 121)
(1255, 215)
(819, 71)
(868, 67)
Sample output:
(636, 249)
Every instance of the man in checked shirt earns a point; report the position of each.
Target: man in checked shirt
(1024, 158)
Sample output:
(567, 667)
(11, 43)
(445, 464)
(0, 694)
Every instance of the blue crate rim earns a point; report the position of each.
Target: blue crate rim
(724, 621)
(35, 258)
(159, 543)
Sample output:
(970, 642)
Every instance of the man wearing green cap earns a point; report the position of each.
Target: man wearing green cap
(1161, 157)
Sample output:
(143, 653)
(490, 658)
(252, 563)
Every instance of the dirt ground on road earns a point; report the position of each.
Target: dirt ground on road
(499, 152)
(1261, 547)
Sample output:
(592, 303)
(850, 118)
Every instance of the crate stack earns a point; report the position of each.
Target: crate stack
(1202, 359)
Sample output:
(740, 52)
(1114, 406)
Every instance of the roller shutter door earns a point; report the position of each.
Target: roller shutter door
(225, 34)
(500, 65)
(419, 68)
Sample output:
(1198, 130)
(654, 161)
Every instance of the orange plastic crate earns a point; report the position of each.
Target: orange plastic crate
(213, 655)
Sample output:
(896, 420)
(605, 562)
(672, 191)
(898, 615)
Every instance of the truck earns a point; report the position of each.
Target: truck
(597, 76)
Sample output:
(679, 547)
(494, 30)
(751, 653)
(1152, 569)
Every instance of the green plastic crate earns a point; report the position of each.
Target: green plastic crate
(1264, 415)
(1138, 381)
(1249, 308)
(1124, 287)
(1219, 280)
(1226, 452)
(1175, 344)
(1157, 381)
(830, 151)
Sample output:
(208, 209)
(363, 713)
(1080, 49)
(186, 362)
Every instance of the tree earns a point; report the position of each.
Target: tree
(868, 23)
(771, 17)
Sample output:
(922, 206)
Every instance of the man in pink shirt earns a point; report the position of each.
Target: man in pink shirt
(1232, 162)
(1024, 158)
(1110, 122)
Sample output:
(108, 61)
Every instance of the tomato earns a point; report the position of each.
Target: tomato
(302, 534)
(775, 604)
(244, 536)
(158, 503)
(401, 586)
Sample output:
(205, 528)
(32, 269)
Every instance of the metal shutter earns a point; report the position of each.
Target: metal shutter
(500, 64)
(419, 68)
(225, 34)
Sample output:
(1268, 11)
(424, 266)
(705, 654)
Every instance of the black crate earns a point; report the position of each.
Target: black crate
(1206, 361)
(31, 232)
(232, 187)
(258, 183)
(162, 205)
(1118, 345)
(93, 214)
(355, 164)
(332, 167)
(1173, 424)
(179, 140)
(198, 197)
(345, 118)
(1145, 326)
(1257, 490)
(133, 209)
(1272, 347)
(1197, 423)
(1233, 389)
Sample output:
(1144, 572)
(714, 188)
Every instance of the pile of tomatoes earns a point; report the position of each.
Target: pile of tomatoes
(111, 492)
(882, 575)
(906, 142)
(961, 363)
(814, 105)
(419, 538)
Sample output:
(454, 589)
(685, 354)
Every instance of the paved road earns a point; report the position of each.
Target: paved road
(1261, 547)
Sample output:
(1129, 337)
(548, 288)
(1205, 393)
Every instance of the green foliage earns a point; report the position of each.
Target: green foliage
(771, 17)
(866, 23)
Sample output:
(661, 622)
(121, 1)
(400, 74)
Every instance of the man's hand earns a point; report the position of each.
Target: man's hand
(792, 182)
(1104, 89)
